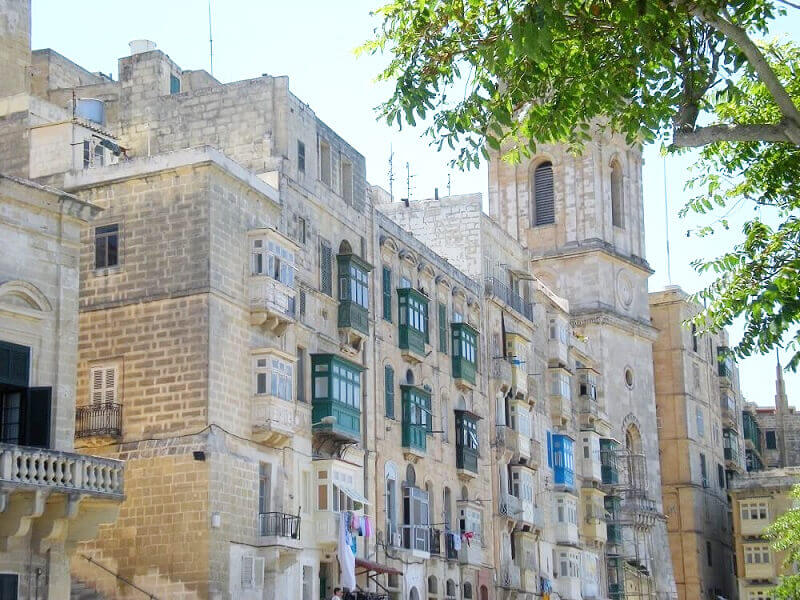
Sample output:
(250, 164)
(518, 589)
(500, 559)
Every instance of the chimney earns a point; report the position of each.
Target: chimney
(435, 193)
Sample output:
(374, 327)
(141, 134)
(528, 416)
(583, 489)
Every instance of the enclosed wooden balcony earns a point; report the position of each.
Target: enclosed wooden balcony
(272, 304)
(274, 420)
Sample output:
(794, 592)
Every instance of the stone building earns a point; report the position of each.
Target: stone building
(776, 430)
(699, 405)
(269, 342)
(758, 498)
(51, 497)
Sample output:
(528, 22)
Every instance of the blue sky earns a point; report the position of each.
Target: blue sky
(312, 42)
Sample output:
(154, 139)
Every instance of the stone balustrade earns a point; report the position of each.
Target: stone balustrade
(66, 471)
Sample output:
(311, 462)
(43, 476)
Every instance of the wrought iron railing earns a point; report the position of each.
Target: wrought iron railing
(279, 524)
(98, 419)
(499, 290)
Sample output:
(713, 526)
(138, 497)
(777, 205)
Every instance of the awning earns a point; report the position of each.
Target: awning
(352, 494)
(370, 566)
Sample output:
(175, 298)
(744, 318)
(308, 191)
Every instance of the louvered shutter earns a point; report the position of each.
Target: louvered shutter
(97, 378)
(110, 394)
(425, 323)
(442, 328)
(543, 191)
(14, 364)
(247, 571)
(103, 385)
(258, 573)
(325, 267)
(35, 426)
(389, 390)
(387, 294)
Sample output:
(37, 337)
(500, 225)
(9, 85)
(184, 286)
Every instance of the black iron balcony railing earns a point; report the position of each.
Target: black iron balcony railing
(499, 290)
(279, 524)
(98, 419)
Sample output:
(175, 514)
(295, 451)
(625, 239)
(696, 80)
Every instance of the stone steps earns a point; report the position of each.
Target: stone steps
(83, 591)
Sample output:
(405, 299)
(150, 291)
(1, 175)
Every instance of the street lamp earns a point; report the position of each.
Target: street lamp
(329, 420)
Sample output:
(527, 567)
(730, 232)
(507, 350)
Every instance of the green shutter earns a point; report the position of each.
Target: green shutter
(425, 323)
(388, 383)
(442, 328)
(387, 294)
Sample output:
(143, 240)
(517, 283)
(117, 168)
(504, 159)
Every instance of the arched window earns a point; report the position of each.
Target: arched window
(484, 593)
(433, 585)
(388, 386)
(410, 377)
(450, 589)
(467, 587)
(414, 595)
(617, 203)
(411, 475)
(543, 196)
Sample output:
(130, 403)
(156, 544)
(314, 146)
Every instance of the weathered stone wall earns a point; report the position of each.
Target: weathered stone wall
(51, 71)
(15, 47)
(14, 143)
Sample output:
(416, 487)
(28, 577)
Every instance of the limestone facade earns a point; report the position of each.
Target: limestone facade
(50, 497)
(699, 406)
(757, 499)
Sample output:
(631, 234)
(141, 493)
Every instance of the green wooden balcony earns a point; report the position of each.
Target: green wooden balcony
(465, 354)
(336, 386)
(467, 459)
(413, 323)
(352, 315)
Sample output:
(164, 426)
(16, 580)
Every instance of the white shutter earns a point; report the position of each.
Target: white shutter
(111, 385)
(258, 573)
(96, 382)
(247, 571)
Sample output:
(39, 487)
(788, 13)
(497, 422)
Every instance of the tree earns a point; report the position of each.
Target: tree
(503, 76)
(785, 536)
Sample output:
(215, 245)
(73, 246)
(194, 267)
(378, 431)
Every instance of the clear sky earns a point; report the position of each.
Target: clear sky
(312, 42)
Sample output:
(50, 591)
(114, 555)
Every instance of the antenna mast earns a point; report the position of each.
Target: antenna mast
(210, 41)
(408, 180)
(448, 185)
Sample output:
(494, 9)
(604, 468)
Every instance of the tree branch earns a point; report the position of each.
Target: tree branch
(762, 68)
(702, 136)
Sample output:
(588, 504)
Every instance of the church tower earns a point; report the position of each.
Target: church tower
(582, 220)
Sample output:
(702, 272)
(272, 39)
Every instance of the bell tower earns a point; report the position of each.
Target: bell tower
(581, 217)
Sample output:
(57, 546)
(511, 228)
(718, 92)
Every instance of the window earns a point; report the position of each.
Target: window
(757, 554)
(567, 510)
(174, 85)
(325, 268)
(694, 337)
(442, 328)
(388, 384)
(274, 261)
(617, 190)
(703, 473)
(470, 521)
(325, 162)
(414, 311)
(24, 411)
(721, 476)
(264, 487)
(559, 384)
(387, 294)
(252, 573)
(99, 156)
(301, 230)
(772, 442)
(544, 208)
(464, 343)
(87, 155)
(417, 421)
(347, 181)
(450, 589)
(308, 582)
(563, 460)
(558, 331)
(753, 510)
(568, 564)
(709, 562)
(466, 430)
(106, 246)
(301, 156)
(701, 429)
(467, 590)
(9, 584)
(353, 281)
(274, 377)
(103, 381)
(415, 518)
(301, 374)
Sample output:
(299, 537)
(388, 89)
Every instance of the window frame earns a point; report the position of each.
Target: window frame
(104, 234)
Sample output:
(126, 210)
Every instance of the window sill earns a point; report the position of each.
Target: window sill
(106, 271)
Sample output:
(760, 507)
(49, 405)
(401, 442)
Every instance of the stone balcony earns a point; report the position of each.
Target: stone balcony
(500, 372)
(560, 409)
(510, 506)
(272, 304)
(326, 530)
(515, 444)
(760, 570)
(275, 420)
(510, 577)
(55, 496)
(471, 553)
(531, 517)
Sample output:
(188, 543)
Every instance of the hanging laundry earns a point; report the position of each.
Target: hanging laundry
(468, 535)
(456, 541)
(346, 554)
(367, 527)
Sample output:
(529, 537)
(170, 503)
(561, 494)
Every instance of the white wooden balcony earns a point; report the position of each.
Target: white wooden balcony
(56, 496)
(569, 588)
(272, 304)
(510, 576)
(471, 553)
(275, 420)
